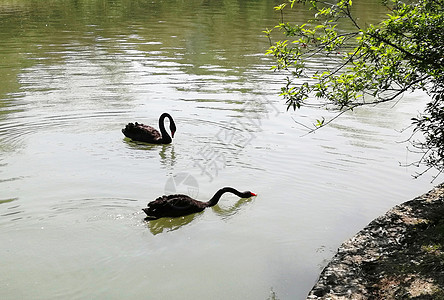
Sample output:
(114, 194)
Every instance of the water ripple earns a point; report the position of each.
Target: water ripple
(14, 131)
(2, 201)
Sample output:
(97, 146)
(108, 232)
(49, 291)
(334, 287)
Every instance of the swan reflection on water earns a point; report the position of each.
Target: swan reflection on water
(227, 213)
(171, 224)
(166, 151)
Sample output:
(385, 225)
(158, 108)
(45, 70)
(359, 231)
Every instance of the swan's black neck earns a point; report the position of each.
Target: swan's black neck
(213, 201)
(165, 136)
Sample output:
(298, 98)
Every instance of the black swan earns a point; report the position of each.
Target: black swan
(148, 134)
(182, 205)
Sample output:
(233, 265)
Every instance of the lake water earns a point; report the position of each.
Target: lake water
(73, 73)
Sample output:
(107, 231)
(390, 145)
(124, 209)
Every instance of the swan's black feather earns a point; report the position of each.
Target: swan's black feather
(142, 132)
(181, 205)
(145, 133)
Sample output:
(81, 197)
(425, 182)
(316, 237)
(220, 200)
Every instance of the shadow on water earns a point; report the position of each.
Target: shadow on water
(166, 151)
(171, 224)
(7, 200)
(227, 213)
(135, 145)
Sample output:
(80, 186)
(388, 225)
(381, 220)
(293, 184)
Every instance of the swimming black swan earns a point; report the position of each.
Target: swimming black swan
(182, 205)
(148, 134)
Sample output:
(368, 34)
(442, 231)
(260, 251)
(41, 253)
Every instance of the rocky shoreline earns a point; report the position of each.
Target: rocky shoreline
(399, 255)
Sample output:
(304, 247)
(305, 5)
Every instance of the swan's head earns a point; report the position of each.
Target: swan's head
(250, 194)
(172, 128)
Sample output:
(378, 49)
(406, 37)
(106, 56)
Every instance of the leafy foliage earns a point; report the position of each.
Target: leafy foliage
(368, 64)
(431, 124)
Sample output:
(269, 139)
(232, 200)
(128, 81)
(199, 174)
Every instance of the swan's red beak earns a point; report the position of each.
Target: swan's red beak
(253, 194)
(172, 133)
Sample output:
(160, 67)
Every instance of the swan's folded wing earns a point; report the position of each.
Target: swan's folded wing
(141, 132)
(181, 203)
(149, 130)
